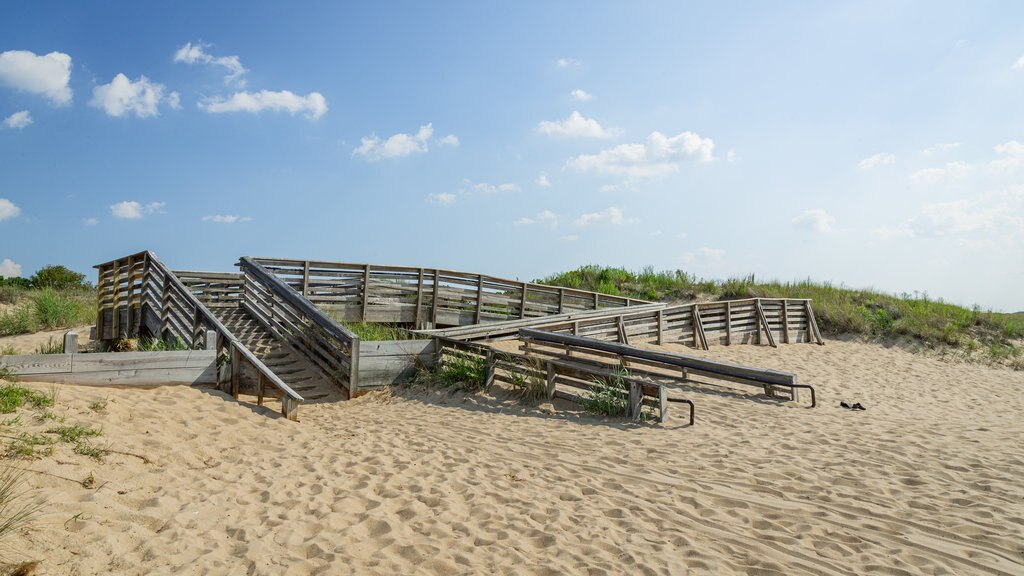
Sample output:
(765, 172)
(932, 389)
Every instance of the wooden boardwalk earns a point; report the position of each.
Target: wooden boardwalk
(276, 322)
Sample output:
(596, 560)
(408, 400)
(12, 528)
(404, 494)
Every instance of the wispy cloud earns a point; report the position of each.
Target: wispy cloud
(939, 148)
(18, 120)
(567, 62)
(395, 146)
(442, 198)
(48, 76)
(611, 215)
(581, 95)
(313, 105)
(545, 217)
(226, 218)
(542, 180)
(814, 219)
(450, 140)
(876, 160)
(124, 97)
(196, 54)
(132, 210)
(952, 170)
(703, 257)
(658, 156)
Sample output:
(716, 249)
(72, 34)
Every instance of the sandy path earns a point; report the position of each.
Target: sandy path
(927, 480)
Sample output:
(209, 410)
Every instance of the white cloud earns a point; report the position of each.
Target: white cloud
(660, 155)
(123, 97)
(45, 75)
(196, 54)
(569, 238)
(18, 120)
(611, 215)
(226, 218)
(90, 221)
(934, 175)
(1019, 64)
(8, 210)
(566, 62)
(133, 210)
(1012, 155)
(937, 148)
(450, 140)
(546, 217)
(815, 219)
(876, 160)
(313, 104)
(542, 180)
(442, 198)
(581, 95)
(703, 257)
(373, 148)
(575, 126)
(485, 188)
(992, 216)
(8, 269)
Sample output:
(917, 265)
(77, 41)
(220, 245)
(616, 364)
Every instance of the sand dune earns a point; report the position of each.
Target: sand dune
(927, 480)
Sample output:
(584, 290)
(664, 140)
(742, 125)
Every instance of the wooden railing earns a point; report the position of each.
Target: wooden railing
(139, 295)
(514, 370)
(657, 363)
(286, 314)
(427, 297)
(753, 320)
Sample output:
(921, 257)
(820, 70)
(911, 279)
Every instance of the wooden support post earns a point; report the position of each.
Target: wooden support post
(785, 321)
(695, 319)
(262, 389)
(812, 325)
(165, 312)
(662, 404)
(489, 378)
(419, 300)
(661, 326)
(197, 320)
(698, 323)
(100, 289)
(576, 328)
(115, 320)
(597, 300)
(623, 337)
(290, 408)
(433, 312)
(479, 296)
(763, 321)
(236, 370)
(305, 279)
(71, 343)
(728, 323)
(522, 301)
(636, 399)
(366, 290)
(561, 300)
(211, 340)
(353, 368)
(550, 382)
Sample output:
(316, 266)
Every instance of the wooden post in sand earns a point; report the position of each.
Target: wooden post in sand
(71, 343)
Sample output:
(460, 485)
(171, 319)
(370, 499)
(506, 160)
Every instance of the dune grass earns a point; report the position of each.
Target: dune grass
(374, 331)
(45, 309)
(839, 310)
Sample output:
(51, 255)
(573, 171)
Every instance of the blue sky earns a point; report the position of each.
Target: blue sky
(875, 144)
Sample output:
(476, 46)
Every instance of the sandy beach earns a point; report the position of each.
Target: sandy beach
(927, 480)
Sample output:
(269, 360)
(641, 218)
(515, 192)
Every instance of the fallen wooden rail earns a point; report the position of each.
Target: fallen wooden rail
(657, 364)
(503, 366)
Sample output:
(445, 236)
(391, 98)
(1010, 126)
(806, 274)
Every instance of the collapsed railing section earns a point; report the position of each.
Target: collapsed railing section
(657, 364)
(753, 320)
(294, 319)
(427, 297)
(549, 377)
(139, 295)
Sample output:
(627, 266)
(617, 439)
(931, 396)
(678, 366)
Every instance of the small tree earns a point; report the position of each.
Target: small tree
(59, 278)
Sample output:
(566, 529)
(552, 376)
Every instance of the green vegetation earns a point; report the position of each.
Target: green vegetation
(158, 345)
(16, 510)
(13, 396)
(33, 310)
(373, 331)
(51, 347)
(74, 433)
(465, 373)
(528, 384)
(8, 351)
(839, 310)
(607, 396)
(26, 445)
(59, 278)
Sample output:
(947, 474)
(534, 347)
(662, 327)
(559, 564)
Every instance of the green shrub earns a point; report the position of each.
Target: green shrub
(59, 278)
(10, 294)
(466, 373)
(607, 396)
(13, 396)
(17, 320)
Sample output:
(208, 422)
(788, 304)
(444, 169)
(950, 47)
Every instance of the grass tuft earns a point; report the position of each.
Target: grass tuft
(16, 510)
(51, 347)
(607, 396)
(465, 373)
(13, 396)
(74, 433)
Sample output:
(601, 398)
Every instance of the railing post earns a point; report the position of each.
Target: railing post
(419, 300)
(165, 307)
(522, 301)
(353, 369)
(71, 343)
(728, 323)
(661, 326)
(550, 383)
(366, 290)
(236, 370)
(479, 296)
(561, 300)
(305, 279)
(433, 312)
(785, 321)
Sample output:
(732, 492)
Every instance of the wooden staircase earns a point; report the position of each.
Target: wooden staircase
(287, 363)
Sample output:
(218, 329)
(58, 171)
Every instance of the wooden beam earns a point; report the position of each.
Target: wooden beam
(812, 325)
(522, 301)
(366, 290)
(479, 297)
(785, 321)
(661, 327)
(419, 300)
(550, 380)
(728, 323)
(236, 370)
(763, 321)
(561, 300)
(305, 279)
(433, 311)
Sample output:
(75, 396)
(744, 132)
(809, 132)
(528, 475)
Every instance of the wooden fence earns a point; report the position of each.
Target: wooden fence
(139, 296)
(427, 297)
(188, 367)
(753, 320)
(286, 314)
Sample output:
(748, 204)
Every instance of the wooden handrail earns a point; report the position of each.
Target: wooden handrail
(230, 339)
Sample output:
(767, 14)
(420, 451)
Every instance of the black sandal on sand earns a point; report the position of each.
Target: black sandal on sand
(857, 406)
(845, 405)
